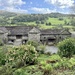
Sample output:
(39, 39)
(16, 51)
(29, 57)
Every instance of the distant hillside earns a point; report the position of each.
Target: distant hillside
(6, 13)
(51, 20)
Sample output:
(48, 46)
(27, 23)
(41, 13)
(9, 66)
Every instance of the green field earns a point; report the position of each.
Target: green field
(56, 21)
(6, 19)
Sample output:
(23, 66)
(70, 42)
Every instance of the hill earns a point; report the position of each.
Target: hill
(52, 20)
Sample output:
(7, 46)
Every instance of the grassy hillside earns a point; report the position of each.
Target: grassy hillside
(53, 20)
(56, 21)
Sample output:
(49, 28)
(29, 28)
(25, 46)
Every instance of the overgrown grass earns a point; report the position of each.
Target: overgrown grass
(46, 65)
(43, 57)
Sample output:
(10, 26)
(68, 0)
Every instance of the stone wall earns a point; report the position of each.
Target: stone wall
(34, 37)
(4, 37)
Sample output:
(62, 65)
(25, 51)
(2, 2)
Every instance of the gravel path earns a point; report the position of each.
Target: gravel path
(51, 49)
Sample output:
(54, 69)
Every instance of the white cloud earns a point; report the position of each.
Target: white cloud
(31, 2)
(42, 10)
(11, 2)
(61, 3)
(12, 5)
(12, 9)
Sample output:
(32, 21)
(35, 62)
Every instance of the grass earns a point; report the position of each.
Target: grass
(55, 21)
(47, 27)
(30, 23)
(43, 57)
(34, 69)
(68, 26)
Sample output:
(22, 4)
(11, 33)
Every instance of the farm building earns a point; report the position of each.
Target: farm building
(18, 35)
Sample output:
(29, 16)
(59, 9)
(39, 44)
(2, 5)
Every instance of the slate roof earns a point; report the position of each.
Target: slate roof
(34, 30)
(23, 30)
(54, 31)
(3, 30)
(19, 30)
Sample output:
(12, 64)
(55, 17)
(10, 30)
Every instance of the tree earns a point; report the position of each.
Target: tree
(48, 24)
(60, 19)
(73, 22)
(66, 47)
(42, 22)
(65, 22)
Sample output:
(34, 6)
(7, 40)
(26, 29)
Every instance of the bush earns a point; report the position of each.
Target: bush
(60, 19)
(37, 22)
(29, 70)
(41, 49)
(6, 71)
(21, 56)
(2, 56)
(66, 47)
(48, 24)
(32, 43)
(47, 68)
(42, 22)
(1, 43)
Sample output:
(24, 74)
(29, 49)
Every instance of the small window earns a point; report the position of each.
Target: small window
(44, 37)
(60, 37)
(18, 36)
(12, 40)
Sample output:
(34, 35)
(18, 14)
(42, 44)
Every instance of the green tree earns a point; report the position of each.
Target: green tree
(48, 24)
(65, 22)
(66, 47)
(42, 22)
(60, 19)
(37, 22)
(73, 22)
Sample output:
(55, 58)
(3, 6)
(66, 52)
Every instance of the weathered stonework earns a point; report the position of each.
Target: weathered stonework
(34, 35)
(18, 35)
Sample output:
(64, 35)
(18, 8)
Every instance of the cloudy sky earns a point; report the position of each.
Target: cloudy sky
(36, 6)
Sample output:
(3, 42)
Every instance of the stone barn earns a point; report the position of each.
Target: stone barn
(18, 35)
(3, 34)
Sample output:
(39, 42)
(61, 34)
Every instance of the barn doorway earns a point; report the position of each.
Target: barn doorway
(51, 41)
(18, 36)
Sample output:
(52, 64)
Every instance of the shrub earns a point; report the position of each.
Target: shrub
(72, 63)
(32, 43)
(2, 56)
(6, 71)
(57, 65)
(48, 24)
(48, 53)
(1, 42)
(37, 22)
(60, 19)
(41, 49)
(47, 68)
(30, 70)
(66, 47)
(55, 57)
(42, 22)
(22, 55)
